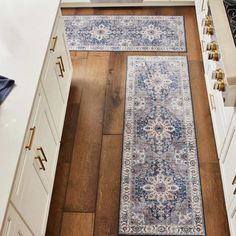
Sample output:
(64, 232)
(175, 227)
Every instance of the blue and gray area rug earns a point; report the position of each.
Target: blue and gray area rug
(125, 33)
(160, 184)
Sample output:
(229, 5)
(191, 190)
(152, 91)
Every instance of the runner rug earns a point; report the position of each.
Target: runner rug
(160, 183)
(125, 33)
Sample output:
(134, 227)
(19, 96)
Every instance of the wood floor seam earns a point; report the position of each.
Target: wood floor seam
(100, 158)
(74, 211)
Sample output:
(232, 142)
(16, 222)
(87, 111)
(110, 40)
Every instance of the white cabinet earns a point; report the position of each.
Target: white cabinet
(217, 116)
(232, 217)
(33, 184)
(57, 77)
(45, 146)
(223, 117)
(201, 10)
(64, 63)
(14, 226)
(228, 164)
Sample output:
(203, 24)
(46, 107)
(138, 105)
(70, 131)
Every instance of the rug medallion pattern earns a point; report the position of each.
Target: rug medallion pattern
(125, 33)
(160, 184)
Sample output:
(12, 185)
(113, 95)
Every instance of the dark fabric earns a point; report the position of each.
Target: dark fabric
(5, 87)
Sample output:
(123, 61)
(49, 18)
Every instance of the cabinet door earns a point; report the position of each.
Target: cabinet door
(217, 115)
(64, 62)
(38, 175)
(46, 146)
(54, 94)
(232, 217)
(57, 78)
(13, 225)
(228, 164)
(27, 152)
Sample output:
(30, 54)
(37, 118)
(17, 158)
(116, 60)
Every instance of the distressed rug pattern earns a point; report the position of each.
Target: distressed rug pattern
(125, 33)
(160, 183)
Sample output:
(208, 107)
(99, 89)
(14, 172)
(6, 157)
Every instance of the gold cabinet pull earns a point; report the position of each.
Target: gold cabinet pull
(54, 44)
(212, 46)
(32, 132)
(41, 163)
(218, 74)
(62, 64)
(61, 71)
(219, 85)
(234, 180)
(43, 154)
(209, 30)
(212, 101)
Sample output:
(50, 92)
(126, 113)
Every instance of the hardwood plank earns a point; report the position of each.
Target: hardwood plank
(144, 11)
(203, 123)
(114, 11)
(58, 199)
(213, 199)
(114, 108)
(75, 224)
(107, 211)
(78, 55)
(63, 166)
(165, 11)
(69, 132)
(82, 186)
(68, 11)
(79, 74)
(77, 11)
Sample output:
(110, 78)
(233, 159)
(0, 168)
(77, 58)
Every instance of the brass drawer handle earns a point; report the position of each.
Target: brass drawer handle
(212, 101)
(54, 44)
(207, 21)
(212, 46)
(218, 74)
(214, 55)
(209, 30)
(62, 64)
(61, 71)
(219, 85)
(32, 132)
(41, 163)
(43, 154)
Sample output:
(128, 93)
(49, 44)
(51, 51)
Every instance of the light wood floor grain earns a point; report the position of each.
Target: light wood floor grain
(85, 199)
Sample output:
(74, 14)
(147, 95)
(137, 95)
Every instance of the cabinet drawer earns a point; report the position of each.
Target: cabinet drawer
(18, 186)
(63, 62)
(13, 225)
(232, 217)
(228, 164)
(46, 146)
(54, 94)
(31, 195)
(57, 79)
(217, 115)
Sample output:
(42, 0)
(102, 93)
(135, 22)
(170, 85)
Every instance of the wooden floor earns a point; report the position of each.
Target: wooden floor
(85, 199)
